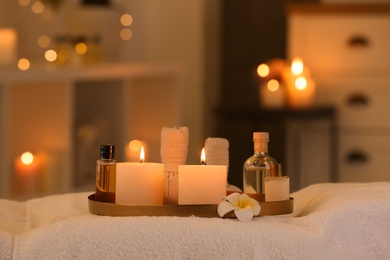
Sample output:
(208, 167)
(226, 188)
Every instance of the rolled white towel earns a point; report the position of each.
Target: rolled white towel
(174, 147)
(217, 151)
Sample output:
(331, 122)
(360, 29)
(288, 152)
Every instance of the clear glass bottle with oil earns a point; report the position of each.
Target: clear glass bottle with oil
(106, 174)
(259, 166)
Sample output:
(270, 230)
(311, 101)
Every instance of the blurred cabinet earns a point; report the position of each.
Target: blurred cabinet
(345, 46)
(65, 114)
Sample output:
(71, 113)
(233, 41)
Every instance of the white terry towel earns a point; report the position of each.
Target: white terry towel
(330, 221)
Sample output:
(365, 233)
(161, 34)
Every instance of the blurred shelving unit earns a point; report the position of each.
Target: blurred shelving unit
(65, 113)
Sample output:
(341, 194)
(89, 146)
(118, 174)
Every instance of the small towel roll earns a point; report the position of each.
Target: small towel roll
(217, 151)
(174, 147)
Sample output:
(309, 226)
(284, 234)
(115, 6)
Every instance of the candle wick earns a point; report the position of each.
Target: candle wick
(203, 162)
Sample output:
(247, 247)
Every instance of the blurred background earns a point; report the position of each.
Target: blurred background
(76, 74)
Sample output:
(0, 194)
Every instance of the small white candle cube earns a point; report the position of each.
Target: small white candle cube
(277, 188)
(201, 184)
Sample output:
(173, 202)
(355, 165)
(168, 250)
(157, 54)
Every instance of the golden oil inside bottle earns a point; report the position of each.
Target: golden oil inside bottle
(105, 181)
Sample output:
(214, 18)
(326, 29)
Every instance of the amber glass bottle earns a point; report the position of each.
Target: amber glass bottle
(106, 174)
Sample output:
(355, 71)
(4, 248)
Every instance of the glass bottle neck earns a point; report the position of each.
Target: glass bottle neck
(260, 146)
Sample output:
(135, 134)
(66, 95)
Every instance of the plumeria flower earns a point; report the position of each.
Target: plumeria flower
(244, 207)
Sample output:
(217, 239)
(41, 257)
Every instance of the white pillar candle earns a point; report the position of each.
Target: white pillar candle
(301, 92)
(7, 46)
(201, 184)
(277, 188)
(139, 183)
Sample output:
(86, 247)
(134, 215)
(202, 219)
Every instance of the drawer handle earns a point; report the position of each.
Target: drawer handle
(358, 41)
(358, 100)
(357, 157)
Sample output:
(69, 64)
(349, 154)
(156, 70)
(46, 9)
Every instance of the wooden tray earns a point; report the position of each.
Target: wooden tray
(209, 211)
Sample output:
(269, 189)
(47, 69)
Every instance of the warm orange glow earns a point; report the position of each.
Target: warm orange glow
(81, 48)
(297, 66)
(24, 64)
(126, 20)
(62, 57)
(273, 85)
(126, 34)
(24, 2)
(203, 157)
(301, 83)
(50, 55)
(135, 145)
(44, 41)
(142, 155)
(38, 7)
(263, 70)
(27, 158)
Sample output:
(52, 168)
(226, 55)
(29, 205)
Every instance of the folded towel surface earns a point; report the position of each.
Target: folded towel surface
(330, 221)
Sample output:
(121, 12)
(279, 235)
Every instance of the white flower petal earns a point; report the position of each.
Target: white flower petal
(225, 207)
(244, 196)
(256, 209)
(233, 198)
(245, 214)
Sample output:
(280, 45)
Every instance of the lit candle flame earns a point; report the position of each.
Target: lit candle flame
(297, 66)
(142, 155)
(203, 157)
(27, 158)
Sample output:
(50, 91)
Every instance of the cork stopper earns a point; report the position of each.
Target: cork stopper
(260, 136)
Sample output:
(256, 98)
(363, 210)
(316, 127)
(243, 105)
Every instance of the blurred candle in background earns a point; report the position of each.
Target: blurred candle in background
(8, 45)
(300, 87)
(301, 93)
(28, 169)
(272, 94)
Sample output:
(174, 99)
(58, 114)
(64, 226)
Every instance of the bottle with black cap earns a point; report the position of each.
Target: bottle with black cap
(106, 174)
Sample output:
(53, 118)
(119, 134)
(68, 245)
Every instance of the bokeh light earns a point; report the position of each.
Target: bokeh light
(50, 55)
(273, 85)
(263, 70)
(44, 41)
(126, 34)
(24, 64)
(126, 20)
(27, 158)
